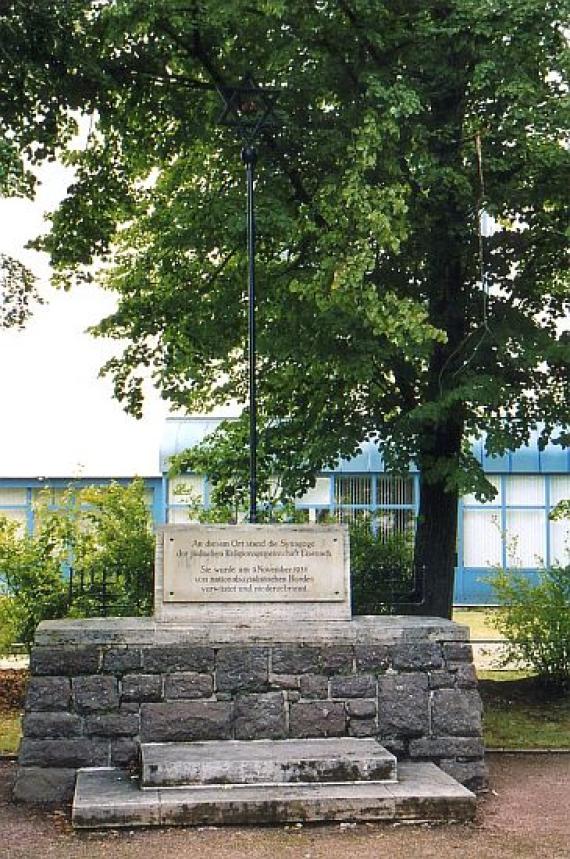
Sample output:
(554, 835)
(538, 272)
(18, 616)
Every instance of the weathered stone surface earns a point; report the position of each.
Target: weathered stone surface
(284, 681)
(188, 685)
(186, 721)
(93, 694)
(360, 708)
(243, 669)
(48, 693)
(120, 660)
(44, 785)
(260, 716)
(57, 724)
(354, 686)
(457, 651)
(64, 660)
(336, 660)
(314, 686)
(177, 657)
(414, 656)
(441, 680)
(471, 774)
(317, 719)
(75, 752)
(112, 724)
(296, 660)
(465, 675)
(446, 747)
(141, 687)
(112, 798)
(124, 752)
(363, 728)
(373, 657)
(403, 705)
(456, 712)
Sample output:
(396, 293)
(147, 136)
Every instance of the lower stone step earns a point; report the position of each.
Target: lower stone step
(110, 798)
(259, 761)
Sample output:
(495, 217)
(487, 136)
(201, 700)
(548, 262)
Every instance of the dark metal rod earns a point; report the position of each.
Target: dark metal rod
(249, 157)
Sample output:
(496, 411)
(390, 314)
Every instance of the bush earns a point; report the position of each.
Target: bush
(535, 620)
(104, 532)
(381, 569)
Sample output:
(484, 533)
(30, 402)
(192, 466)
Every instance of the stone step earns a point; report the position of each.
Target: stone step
(110, 798)
(265, 761)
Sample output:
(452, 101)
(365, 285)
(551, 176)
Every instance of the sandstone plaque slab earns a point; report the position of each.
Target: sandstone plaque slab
(252, 572)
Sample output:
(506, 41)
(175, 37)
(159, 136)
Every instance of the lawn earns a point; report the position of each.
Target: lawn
(9, 732)
(478, 621)
(519, 713)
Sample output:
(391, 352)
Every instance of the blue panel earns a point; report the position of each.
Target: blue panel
(472, 586)
(555, 459)
(525, 460)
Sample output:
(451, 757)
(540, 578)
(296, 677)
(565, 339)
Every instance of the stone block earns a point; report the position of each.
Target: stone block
(57, 724)
(314, 686)
(121, 660)
(373, 657)
(124, 752)
(471, 774)
(457, 651)
(93, 694)
(141, 687)
(242, 669)
(186, 721)
(284, 681)
(260, 716)
(354, 686)
(164, 659)
(74, 752)
(337, 660)
(363, 728)
(456, 712)
(403, 705)
(44, 785)
(441, 679)
(317, 719)
(59, 661)
(417, 656)
(48, 693)
(112, 724)
(465, 675)
(360, 708)
(432, 748)
(296, 659)
(188, 685)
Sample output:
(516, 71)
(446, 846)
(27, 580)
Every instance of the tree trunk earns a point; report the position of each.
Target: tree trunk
(436, 529)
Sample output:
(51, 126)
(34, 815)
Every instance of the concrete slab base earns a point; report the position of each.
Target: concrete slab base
(257, 761)
(109, 798)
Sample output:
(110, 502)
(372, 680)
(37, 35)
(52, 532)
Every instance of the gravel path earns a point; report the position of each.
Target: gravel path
(524, 815)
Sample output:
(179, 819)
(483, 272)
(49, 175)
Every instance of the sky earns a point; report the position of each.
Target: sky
(58, 417)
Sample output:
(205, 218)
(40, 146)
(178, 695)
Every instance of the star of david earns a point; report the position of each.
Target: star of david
(248, 108)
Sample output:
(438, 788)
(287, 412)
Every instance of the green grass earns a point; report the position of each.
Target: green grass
(10, 731)
(519, 714)
(478, 621)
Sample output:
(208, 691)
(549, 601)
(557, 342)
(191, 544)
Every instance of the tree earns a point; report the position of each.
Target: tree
(400, 122)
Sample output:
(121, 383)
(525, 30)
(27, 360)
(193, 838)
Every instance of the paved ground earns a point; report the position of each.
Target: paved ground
(524, 815)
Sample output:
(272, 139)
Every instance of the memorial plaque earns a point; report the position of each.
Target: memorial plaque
(226, 571)
(241, 565)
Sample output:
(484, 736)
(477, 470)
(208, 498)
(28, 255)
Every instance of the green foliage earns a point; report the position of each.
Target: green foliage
(381, 570)
(104, 532)
(535, 621)
(17, 293)
(30, 576)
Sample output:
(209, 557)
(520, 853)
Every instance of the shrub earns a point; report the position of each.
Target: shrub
(535, 620)
(381, 569)
(103, 532)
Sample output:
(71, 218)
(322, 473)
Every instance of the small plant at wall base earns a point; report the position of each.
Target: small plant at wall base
(535, 621)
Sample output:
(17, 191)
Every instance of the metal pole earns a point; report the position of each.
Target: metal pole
(249, 157)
